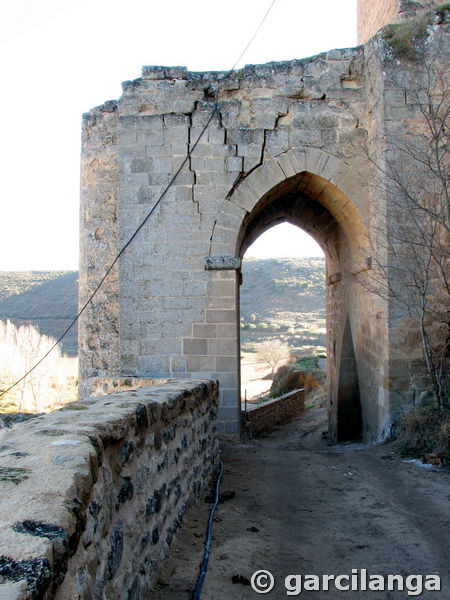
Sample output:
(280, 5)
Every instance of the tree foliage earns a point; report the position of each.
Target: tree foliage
(49, 386)
(272, 351)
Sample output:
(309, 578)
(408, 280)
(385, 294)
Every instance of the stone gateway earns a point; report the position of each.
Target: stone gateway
(293, 141)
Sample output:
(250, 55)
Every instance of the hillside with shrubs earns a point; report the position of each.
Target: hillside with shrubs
(284, 298)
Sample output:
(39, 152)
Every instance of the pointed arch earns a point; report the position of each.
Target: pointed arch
(310, 173)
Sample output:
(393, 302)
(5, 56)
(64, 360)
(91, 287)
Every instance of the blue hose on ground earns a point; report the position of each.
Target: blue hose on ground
(204, 566)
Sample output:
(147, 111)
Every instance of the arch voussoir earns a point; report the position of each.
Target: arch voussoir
(326, 178)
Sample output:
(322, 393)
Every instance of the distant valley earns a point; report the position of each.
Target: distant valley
(279, 297)
(284, 297)
(46, 299)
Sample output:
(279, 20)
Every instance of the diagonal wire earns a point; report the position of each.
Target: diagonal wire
(253, 37)
(169, 185)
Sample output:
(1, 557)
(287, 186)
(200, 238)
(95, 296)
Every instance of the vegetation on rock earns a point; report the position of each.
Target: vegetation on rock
(425, 429)
(404, 38)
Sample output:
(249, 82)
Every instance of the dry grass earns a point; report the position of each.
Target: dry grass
(426, 429)
(60, 391)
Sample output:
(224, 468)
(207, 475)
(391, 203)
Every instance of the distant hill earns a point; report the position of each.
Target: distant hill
(47, 299)
(283, 297)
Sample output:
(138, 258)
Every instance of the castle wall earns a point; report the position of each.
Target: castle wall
(373, 15)
(99, 326)
(308, 129)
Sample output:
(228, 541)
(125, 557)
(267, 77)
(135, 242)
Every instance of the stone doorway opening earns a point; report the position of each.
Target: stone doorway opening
(282, 318)
(349, 417)
(319, 208)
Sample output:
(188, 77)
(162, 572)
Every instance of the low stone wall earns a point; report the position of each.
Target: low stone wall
(264, 417)
(92, 495)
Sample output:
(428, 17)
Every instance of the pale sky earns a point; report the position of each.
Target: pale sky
(59, 58)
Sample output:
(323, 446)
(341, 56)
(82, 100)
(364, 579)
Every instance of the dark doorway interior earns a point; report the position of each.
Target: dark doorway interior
(349, 419)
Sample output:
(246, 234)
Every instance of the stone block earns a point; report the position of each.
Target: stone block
(234, 164)
(213, 164)
(141, 165)
(194, 288)
(226, 364)
(178, 364)
(13, 590)
(226, 381)
(220, 316)
(225, 302)
(229, 397)
(200, 363)
(222, 347)
(277, 141)
(221, 288)
(228, 413)
(195, 346)
(226, 331)
(205, 330)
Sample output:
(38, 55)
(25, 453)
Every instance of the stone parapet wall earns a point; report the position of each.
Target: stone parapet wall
(264, 417)
(92, 494)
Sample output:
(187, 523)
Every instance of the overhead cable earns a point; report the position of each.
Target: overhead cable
(169, 185)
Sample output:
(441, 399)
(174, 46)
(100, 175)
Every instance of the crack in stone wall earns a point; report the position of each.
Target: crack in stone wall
(300, 127)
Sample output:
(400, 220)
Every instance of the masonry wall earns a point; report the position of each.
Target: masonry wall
(98, 335)
(175, 316)
(373, 15)
(404, 121)
(262, 418)
(285, 140)
(93, 494)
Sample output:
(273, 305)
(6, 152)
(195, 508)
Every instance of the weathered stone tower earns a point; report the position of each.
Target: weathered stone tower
(292, 141)
(375, 14)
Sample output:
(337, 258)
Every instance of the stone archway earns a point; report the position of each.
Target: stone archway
(321, 208)
(290, 141)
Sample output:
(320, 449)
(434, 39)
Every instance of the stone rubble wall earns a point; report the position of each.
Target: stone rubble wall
(264, 417)
(93, 494)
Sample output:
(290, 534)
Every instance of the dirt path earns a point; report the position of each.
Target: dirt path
(302, 507)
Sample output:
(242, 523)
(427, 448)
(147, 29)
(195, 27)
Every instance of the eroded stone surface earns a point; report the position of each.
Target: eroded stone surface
(90, 499)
